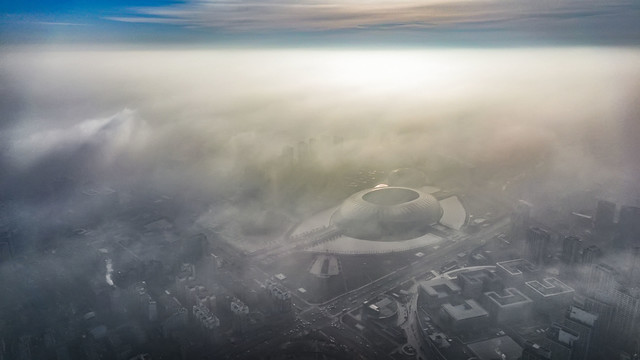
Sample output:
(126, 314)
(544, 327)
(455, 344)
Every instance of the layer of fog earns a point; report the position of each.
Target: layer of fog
(201, 123)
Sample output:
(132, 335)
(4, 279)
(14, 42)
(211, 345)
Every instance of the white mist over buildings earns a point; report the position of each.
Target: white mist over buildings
(197, 114)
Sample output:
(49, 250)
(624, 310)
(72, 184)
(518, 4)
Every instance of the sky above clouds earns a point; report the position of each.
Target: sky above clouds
(311, 22)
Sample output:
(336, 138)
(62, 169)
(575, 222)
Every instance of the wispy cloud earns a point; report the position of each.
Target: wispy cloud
(110, 133)
(310, 15)
(56, 23)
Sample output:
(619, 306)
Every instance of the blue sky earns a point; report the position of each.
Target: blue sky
(66, 7)
(333, 22)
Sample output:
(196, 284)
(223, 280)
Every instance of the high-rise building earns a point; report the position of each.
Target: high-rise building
(591, 254)
(601, 279)
(626, 318)
(185, 277)
(207, 322)
(605, 212)
(198, 295)
(536, 245)
(175, 315)
(634, 266)
(520, 220)
(191, 294)
(629, 223)
(279, 297)
(141, 303)
(571, 246)
(617, 304)
(206, 298)
(152, 309)
(605, 316)
(240, 313)
(584, 324)
(560, 340)
(212, 263)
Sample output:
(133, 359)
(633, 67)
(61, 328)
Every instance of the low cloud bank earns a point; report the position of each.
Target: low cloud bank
(199, 121)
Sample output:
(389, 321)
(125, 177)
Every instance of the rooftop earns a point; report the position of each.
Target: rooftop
(495, 348)
(384, 304)
(238, 307)
(516, 267)
(277, 290)
(205, 317)
(549, 287)
(467, 310)
(391, 196)
(606, 268)
(477, 275)
(507, 297)
(325, 266)
(584, 317)
(387, 214)
(440, 287)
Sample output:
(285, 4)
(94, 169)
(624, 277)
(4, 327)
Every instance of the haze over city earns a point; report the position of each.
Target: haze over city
(358, 179)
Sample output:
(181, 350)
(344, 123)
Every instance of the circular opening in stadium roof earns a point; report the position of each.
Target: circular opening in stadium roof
(390, 196)
(387, 214)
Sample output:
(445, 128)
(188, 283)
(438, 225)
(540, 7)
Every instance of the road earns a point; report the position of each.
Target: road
(325, 317)
(434, 260)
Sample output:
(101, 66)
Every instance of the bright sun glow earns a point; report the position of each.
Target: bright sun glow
(385, 71)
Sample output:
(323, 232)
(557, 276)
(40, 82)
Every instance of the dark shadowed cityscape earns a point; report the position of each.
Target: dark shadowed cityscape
(433, 180)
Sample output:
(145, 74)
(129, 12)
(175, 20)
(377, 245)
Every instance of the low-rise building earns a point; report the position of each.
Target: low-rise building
(549, 295)
(508, 305)
(515, 272)
(475, 283)
(436, 292)
(468, 315)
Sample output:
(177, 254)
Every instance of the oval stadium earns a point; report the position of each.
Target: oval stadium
(387, 214)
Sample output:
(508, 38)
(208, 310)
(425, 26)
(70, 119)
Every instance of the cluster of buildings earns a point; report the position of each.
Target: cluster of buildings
(525, 301)
(603, 322)
(574, 336)
(195, 309)
(610, 224)
(463, 314)
(616, 300)
(628, 219)
(272, 299)
(608, 282)
(513, 309)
